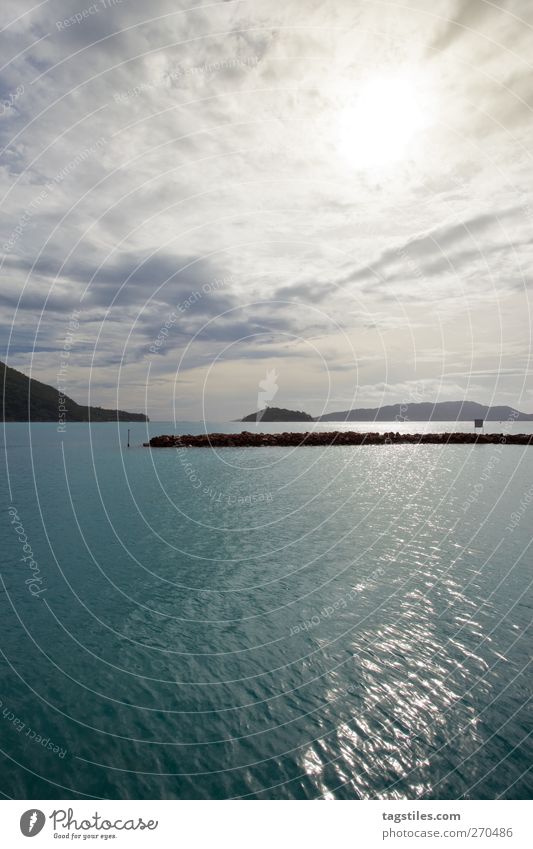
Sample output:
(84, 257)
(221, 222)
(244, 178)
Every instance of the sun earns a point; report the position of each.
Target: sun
(380, 123)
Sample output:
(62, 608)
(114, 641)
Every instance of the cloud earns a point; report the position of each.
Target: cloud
(213, 154)
(449, 249)
(127, 278)
(467, 19)
(309, 291)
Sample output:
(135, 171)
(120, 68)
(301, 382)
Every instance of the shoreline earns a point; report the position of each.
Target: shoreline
(246, 439)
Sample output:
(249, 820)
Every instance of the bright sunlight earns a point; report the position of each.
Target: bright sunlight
(379, 124)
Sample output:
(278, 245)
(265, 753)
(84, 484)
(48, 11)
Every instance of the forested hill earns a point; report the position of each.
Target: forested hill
(25, 399)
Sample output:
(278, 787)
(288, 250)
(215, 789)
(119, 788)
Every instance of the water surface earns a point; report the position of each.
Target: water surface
(277, 623)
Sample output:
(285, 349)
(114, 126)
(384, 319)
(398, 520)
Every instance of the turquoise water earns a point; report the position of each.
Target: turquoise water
(347, 623)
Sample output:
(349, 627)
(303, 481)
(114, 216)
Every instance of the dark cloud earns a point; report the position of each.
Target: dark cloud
(34, 301)
(435, 252)
(128, 279)
(468, 16)
(308, 291)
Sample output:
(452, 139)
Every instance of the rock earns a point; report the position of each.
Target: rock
(247, 439)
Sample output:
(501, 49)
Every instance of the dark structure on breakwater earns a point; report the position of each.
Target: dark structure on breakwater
(246, 439)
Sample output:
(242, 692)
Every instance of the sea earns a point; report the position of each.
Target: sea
(264, 623)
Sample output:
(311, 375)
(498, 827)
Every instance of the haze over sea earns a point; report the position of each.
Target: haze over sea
(343, 623)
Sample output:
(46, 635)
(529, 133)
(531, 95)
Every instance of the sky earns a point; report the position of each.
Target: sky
(317, 205)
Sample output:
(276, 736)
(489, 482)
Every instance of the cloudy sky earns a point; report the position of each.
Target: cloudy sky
(329, 199)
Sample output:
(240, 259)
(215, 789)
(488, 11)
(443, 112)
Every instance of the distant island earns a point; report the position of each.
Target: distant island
(26, 399)
(278, 414)
(444, 411)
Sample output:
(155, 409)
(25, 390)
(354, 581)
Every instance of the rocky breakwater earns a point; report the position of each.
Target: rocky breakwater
(246, 439)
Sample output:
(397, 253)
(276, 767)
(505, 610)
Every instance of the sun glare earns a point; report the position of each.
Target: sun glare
(377, 127)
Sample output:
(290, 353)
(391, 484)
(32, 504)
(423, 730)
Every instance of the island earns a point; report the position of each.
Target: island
(278, 414)
(28, 400)
(427, 411)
